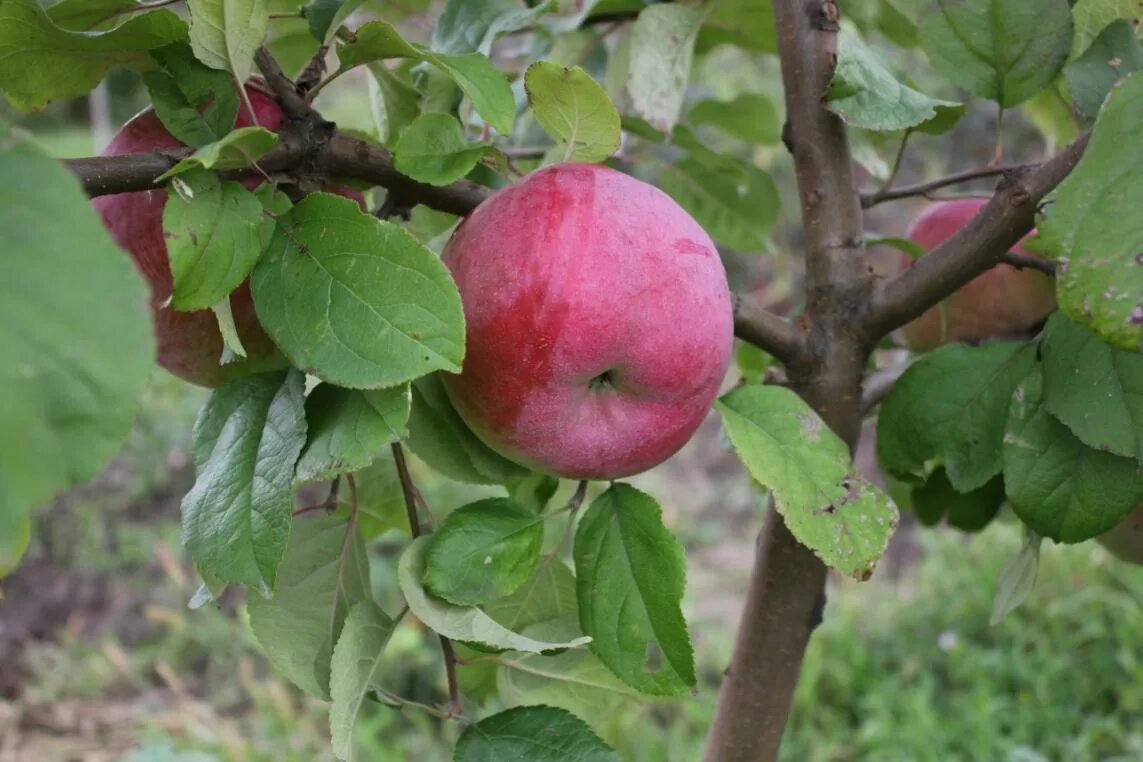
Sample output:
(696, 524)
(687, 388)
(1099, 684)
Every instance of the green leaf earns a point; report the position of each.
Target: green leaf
(736, 207)
(662, 48)
(213, 231)
(750, 117)
(1005, 50)
(476, 75)
(533, 491)
(468, 624)
(545, 605)
(348, 428)
(43, 62)
(225, 33)
(573, 680)
(356, 301)
(827, 505)
(1093, 388)
(1091, 228)
(630, 577)
(236, 518)
(86, 15)
(951, 405)
(747, 24)
(484, 550)
(465, 26)
(1114, 54)
(1092, 16)
(195, 103)
(393, 100)
(440, 438)
(1017, 578)
(15, 534)
(237, 150)
(380, 501)
(355, 658)
(866, 95)
(969, 511)
(75, 336)
(574, 110)
(1057, 485)
(324, 573)
(906, 245)
(534, 733)
(433, 149)
(324, 15)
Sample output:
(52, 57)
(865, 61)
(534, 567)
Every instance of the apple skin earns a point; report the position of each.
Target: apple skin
(1002, 301)
(1125, 540)
(599, 322)
(189, 343)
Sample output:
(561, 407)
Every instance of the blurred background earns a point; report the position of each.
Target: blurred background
(101, 657)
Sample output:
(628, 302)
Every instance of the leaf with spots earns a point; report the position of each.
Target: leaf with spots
(1093, 230)
(827, 505)
(630, 579)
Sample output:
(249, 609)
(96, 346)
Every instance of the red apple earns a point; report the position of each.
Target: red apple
(189, 343)
(599, 322)
(1125, 540)
(1002, 301)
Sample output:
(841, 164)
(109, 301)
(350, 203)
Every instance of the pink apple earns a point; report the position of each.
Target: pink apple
(1002, 301)
(1125, 540)
(189, 343)
(599, 322)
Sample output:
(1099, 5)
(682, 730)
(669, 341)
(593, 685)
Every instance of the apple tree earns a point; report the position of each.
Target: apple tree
(581, 179)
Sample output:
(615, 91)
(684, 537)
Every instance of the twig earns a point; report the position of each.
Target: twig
(314, 70)
(280, 85)
(329, 504)
(879, 384)
(897, 160)
(1028, 261)
(765, 330)
(410, 492)
(920, 189)
(410, 704)
(973, 249)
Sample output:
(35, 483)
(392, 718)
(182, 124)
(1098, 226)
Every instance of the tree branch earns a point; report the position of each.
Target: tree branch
(786, 595)
(924, 189)
(973, 249)
(1028, 262)
(345, 156)
(765, 330)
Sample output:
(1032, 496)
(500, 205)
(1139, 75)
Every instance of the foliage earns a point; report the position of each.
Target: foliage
(367, 317)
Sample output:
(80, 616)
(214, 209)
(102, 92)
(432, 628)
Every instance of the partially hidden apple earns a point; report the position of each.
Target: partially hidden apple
(599, 322)
(1002, 301)
(189, 343)
(1125, 539)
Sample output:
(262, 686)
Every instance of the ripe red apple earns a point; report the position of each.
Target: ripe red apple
(1125, 540)
(1002, 301)
(599, 322)
(189, 343)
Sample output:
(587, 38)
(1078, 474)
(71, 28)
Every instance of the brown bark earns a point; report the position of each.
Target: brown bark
(787, 588)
